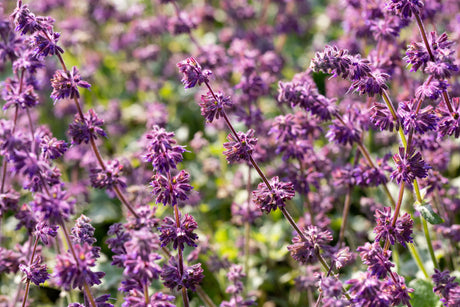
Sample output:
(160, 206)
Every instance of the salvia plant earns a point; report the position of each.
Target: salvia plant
(230, 153)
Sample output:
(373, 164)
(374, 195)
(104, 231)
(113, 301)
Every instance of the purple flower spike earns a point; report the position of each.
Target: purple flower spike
(52, 148)
(45, 232)
(404, 8)
(267, 200)
(192, 73)
(449, 123)
(212, 108)
(36, 272)
(306, 252)
(409, 166)
(47, 45)
(109, 177)
(422, 121)
(181, 235)
(401, 232)
(191, 277)
(242, 149)
(65, 84)
(27, 22)
(169, 192)
(136, 298)
(367, 291)
(376, 258)
(372, 84)
(71, 274)
(82, 130)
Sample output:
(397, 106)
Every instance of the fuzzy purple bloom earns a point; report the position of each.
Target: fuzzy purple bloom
(422, 121)
(109, 177)
(213, 106)
(191, 277)
(162, 150)
(181, 235)
(26, 98)
(404, 8)
(306, 252)
(27, 22)
(83, 130)
(65, 84)
(45, 232)
(71, 273)
(449, 123)
(398, 291)
(136, 298)
(332, 61)
(48, 45)
(52, 148)
(169, 192)
(192, 73)
(83, 231)
(409, 166)
(240, 148)
(401, 231)
(367, 291)
(271, 199)
(372, 84)
(376, 259)
(36, 272)
(9, 201)
(55, 207)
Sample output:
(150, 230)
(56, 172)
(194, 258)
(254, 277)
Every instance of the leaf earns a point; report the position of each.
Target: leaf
(423, 295)
(428, 214)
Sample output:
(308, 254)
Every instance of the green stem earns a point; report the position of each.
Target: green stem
(417, 258)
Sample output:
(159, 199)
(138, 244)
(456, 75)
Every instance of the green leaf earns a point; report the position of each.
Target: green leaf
(423, 295)
(428, 214)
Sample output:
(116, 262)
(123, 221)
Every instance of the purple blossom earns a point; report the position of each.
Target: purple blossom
(9, 261)
(117, 244)
(376, 259)
(212, 106)
(136, 298)
(178, 234)
(367, 291)
(449, 123)
(275, 198)
(55, 207)
(420, 121)
(306, 252)
(431, 89)
(45, 232)
(444, 283)
(398, 291)
(83, 231)
(192, 73)
(372, 84)
(332, 61)
(401, 231)
(65, 84)
(71, 273)
(35, 272)
(83, 130)
(27, 22)
(240, 148)
(8, 201)
(409, 166)
(52, 148)
(417, 55)
(45, 44)
(162, 150)
(170, 191)
(108, 177)
(404, 8)
(346, 130)
(26, 98)
(191, 277)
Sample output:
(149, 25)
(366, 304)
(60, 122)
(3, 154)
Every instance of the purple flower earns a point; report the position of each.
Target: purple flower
(267, 200)
(52, 148)
(108, 177)
(441, 69)
(55, 207)
(46, 44)
(372, 84)
(449, 123)
(432, 89)
(333, 61)
(376, 259)
(240, 148)
(27, 61)
(398, 291)
(401, 231)
(409, 166)
(136, 298)
(346, 130)
(143, 269)
(8, 201)
(192, 73)
(404, 8)
(213, 106)
(367, 291)
(71, 273)
(162, 150)
(26, 22)
(191, 277)
(331, 287)
(306, 252)
(83, 231)
(36, 272)
(285, 128)
(170, 191)
(45, 232)
(26, 98)
(65, 84)
(117, 244)
(9, 261)
(417, 55)
(179, 235)
(82, 130)
(444, 283)
(421, 121)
